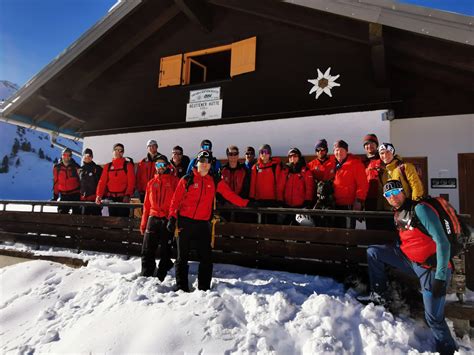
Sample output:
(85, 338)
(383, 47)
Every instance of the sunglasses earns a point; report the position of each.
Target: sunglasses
(264, 151)
(321, 149)
(176, 153)
(250, 153)
(119, 150)
(292, 155)
(160, 165)
(393, 192)
(232, 154)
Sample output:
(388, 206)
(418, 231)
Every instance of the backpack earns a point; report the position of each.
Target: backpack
(124, 167)
(457, 231)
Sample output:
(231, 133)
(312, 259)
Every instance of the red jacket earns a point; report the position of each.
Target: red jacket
(66, 178)
(197, 202)
(238, 179)
(416, 245)
(373, 167)
(297, 187)
(322, 171)
(350, 182)
(159, 193)
(114, 181)
(145, 172)
(265, 180)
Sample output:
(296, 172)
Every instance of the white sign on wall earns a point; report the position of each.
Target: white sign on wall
(204, 105)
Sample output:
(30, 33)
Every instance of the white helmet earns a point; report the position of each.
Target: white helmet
(304, 220)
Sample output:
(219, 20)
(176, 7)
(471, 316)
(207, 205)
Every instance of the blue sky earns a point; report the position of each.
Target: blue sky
(34, 32)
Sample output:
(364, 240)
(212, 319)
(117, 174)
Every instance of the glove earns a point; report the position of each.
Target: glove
(171, 225)
(55, 197)
(252, 204)
(438, 288)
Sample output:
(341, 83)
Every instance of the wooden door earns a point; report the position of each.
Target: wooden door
(466, 188)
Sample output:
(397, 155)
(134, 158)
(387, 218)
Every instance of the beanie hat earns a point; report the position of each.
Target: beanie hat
(321, 144)
(67, 151)
(387, 146)
(341, 144)
(294, 151)
(206, 142)
(371, 137)
(250, 149)
(204, 155)
(88, 151)
(266, 147)
(118, 145)
(151, 142)
(178, 148)
(392, 184)
(162, 157)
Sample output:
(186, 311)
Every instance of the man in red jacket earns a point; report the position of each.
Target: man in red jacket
(191, 212)
(322, 167)
(159, 193)
(66, 183)
(146, 168)
(350, 183)
(117, 182)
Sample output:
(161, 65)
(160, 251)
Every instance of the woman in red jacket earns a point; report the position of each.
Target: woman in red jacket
(350, 183)
(159, 192)
(297, 183)
(117, 182)
(191, 212)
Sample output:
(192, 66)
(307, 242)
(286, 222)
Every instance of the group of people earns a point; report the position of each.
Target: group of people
(179, 197)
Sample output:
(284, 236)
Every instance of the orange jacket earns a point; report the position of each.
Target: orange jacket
(350, 182)
(266, 180)
(66, 178)
(116, 180)
(297, 187)
(196, 201)
(159, 193)
(322, 171)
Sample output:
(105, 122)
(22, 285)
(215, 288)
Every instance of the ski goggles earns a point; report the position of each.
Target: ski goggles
(160, 165)
(393, 192)
(206, 147)
(204, 157)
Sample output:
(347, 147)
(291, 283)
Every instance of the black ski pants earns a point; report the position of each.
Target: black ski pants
(194, 233)
(156, 234)
(70, 197)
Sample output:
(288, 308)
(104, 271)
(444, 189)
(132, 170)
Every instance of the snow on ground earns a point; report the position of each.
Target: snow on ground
(47, 307)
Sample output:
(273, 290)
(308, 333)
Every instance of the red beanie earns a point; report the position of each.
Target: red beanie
(371, 138)
(341, 144)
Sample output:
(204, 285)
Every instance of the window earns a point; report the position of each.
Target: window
(210, 64)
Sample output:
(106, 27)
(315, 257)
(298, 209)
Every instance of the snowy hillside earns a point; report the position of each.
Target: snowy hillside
(7, 89)
(26, 162)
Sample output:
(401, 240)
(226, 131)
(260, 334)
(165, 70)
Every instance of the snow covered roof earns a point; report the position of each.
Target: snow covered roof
(429, 22)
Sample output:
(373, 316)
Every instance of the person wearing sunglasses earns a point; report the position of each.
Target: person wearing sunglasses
(146, 168)
(206, 145)
(117, 182)
(159, 192)
(235, 174)
(350, 183)
(322, 167)
(423, 251)
(298, 183)
(190, 214)
(89, 175)
(66, 182)
(179, 162)
(397, 169)
(250, 157)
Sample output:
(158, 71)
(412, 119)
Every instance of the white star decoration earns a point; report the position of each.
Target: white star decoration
(323, 83)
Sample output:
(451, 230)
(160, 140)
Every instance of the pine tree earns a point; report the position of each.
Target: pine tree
(17, 164)
(15, 147)
(4, 168)
(41, 153)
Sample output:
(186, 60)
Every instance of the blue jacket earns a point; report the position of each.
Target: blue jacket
(215, 166)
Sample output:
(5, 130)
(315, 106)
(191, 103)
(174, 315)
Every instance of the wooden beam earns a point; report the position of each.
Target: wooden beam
(377, 54)
(64, 113)
(126, 47)
(197, 11)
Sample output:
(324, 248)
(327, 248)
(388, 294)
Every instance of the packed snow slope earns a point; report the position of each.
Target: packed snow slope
(106, 307)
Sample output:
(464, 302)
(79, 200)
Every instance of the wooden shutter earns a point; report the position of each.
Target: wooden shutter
(243, 56)
(170, 70)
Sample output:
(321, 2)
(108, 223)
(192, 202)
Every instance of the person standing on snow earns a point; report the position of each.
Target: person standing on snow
(159, 193)
(424, 251)
(191, 212)
(117, 182)
(179, 162)
(322, 167)
(66, 184)
(146, 168)
(206, 144)
(89, 175)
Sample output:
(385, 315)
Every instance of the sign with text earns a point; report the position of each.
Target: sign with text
(204, 110)
(205, 104)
